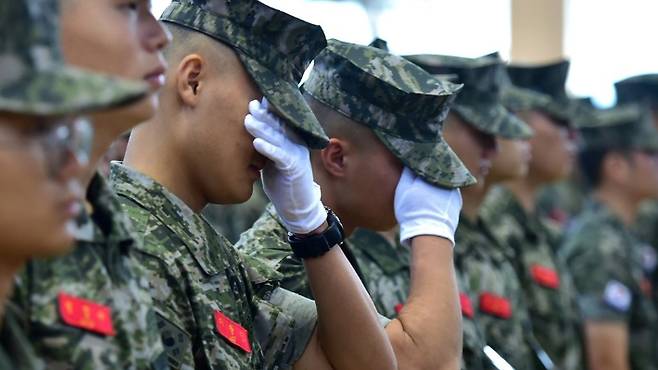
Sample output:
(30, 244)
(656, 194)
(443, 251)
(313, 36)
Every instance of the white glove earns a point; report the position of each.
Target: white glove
(424, 209)
(288, 179)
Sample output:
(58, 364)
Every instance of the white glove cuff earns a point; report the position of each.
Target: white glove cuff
(417, 227)
(308, 220)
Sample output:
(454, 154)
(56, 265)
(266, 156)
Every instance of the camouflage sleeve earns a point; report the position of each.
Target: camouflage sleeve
(267, 241)
(595, 258)
(284, 325)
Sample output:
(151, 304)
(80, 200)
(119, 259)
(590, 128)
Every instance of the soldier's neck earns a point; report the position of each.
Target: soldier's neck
(8, 268)
(150, 152)
(619, 203)
(104, 135)
(472, 198)
(525, 192)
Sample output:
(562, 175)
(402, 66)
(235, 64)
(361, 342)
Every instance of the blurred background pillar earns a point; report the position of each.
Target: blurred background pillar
(537, 31)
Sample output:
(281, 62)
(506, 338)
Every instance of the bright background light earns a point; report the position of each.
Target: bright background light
(605, 40)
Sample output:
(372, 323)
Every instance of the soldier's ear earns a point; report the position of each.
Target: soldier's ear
(333, 157)
(189, 79)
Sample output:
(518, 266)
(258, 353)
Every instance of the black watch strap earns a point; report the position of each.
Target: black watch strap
(317, 245)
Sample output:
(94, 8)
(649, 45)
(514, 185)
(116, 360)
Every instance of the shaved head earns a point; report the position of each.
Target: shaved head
(219, 56)
(339, 126)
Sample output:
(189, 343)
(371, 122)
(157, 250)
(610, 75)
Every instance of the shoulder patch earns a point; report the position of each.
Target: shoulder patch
(617, 296)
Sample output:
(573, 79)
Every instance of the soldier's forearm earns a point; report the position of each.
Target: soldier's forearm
(348, 331)
(427, 332)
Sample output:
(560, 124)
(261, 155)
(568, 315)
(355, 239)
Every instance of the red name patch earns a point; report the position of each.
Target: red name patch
(84, 314)
(232, 331)
(546, 277)
(495, 305)
(467, 306)
(398, 307)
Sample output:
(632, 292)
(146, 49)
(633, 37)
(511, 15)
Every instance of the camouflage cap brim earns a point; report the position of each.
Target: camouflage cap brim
(562, 111)
(494, 119)
(435, 161)
(518, 99)
(65, 90)
(288, 102)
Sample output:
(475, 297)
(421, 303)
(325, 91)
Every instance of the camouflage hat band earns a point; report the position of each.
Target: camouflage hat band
(324, 89)
(494, 119)
(435, 162)
(628, 127)
(232, 33)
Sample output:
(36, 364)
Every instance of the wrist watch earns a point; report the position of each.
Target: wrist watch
(316, 245)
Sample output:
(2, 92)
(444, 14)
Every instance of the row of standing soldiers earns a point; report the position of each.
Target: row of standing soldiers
(434, 186)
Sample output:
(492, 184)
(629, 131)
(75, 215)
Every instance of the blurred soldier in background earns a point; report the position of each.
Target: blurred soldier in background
(509, 213)
(643, 89)
(45, 147)
(620, 163)
(91, 308)
(478, 117)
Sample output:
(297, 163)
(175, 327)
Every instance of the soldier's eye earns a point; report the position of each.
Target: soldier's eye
(129, 5)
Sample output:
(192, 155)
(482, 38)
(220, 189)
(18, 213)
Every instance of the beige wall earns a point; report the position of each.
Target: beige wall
(537, 31)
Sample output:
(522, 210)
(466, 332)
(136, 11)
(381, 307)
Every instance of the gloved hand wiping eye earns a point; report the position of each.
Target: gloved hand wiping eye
(288, 180)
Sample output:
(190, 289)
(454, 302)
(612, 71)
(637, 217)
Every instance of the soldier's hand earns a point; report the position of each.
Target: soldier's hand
(288, 178)
(424, 209)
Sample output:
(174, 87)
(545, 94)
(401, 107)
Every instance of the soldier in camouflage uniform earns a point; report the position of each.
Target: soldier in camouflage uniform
(619, 160)
(510, 215)
(382, 113)
(90, 309)
(478, 117)
(42, 152)
(215, 311)
(643, 89)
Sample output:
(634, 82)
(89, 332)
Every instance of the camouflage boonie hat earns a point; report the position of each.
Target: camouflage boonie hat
(274, 47)
(34, 79)
(402, 104)
(548, 79)
(638, 89)
(627, 127)
(479, 102)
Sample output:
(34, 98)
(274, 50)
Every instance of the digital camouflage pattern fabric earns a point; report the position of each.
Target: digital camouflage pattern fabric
(479, 101)
(15, 349)
(101, 269)
(548, 79)
(495, 293)
(196, 275)
(402, 104)
(472, 333)
(606, 263)
(385, 266)
(274, 47)
(33, 77)
(267, 240)
(547, 285)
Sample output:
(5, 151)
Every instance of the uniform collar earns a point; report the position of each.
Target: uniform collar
(169, 210)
